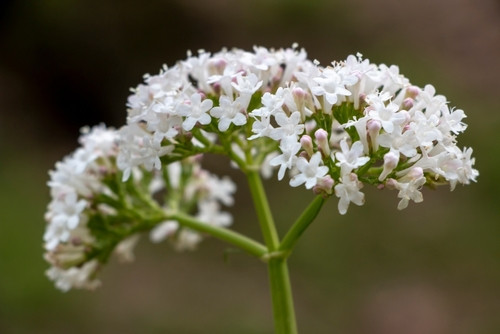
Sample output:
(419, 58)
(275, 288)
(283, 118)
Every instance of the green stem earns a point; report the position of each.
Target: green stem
(279, 280)
(281, 294)
(263, 210)
(301, 224)
(234, 238)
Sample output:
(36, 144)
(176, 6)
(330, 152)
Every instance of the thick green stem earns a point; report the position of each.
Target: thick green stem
(281, 294)
(301, 224)
(263, 210)
(281, 290)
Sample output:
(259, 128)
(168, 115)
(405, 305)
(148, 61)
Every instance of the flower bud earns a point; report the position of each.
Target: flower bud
(408, 103)
(391, 160)
(322, 141)
(374, 127)
(412, 91)
(324, 186)
(307, 144)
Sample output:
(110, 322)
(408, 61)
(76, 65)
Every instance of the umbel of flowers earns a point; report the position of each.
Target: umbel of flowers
(332, 129)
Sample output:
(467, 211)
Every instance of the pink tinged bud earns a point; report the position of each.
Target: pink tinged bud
(322, 141)
(362, 98)
(324, 185)
(304, 155)
(299, 94)
(414, 174)
(374, 127)
(408, 103)
(413, 91)
(217, 88)
(391, 160)
(307, 144)
(219, 65)
(391, 184)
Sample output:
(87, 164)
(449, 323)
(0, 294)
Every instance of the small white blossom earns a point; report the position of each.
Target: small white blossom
(388, 114)
(196, 111)
(209, 212)
(289, 147)
(348, 191)
(67, 211)
(163, 230)
(288, 126)
(230, 112)
(330, 85)
(310, 171)
(75, 277)
(350, 158)
(409, 189)
(247, 85)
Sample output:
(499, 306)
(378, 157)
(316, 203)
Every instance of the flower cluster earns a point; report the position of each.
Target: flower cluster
(332, 128)
(94, 214)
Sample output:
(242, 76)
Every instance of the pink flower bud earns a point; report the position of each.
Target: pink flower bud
(218, 64)
(298, 93)
(307, 144)
(412, 91)
(322, 141)
(391, 160)
(408, 103)
(324, 185)
(374, 127)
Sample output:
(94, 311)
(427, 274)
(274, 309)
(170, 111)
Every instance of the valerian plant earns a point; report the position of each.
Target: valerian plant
(332, 129)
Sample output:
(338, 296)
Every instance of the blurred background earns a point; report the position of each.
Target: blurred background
(432, 268)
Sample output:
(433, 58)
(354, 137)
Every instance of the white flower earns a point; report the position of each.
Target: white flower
(266, 170)
(229, 112)
(67, 211)
(426, 99)
(55, 233)
(387, 115)
(220, 189)
(330, 85)
(137, 147)
(99, 140)
(360, 126)
(196, 111)
(350, 159)
(163, 230)
(209, 212)
(409, 188)
(288, 126)
(64, 179)
(74, 277)
(289, 147)
(403, 142)
(425, 128)
(125, 249)
(261, 128)
(163, 121)
(247, 85)
(310, 171)
(451, 121)
(348, 191)
(391, 160)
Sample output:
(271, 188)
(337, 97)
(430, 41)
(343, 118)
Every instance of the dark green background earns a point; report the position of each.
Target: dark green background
(432, 268)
